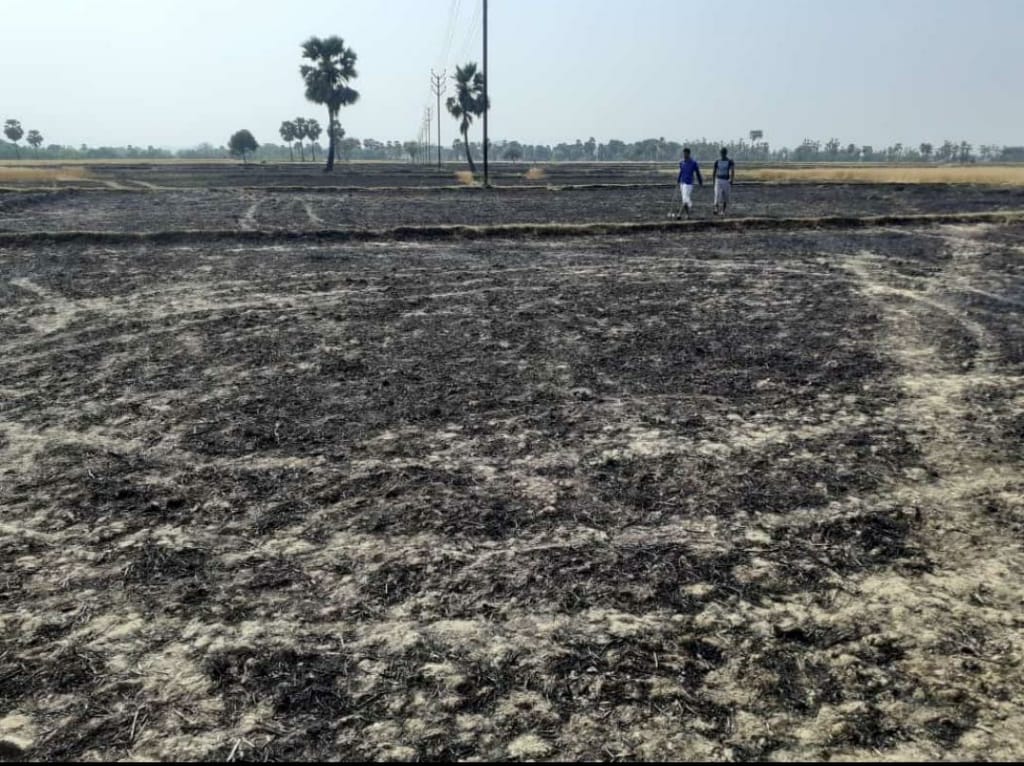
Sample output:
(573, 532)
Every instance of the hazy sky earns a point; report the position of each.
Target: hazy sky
(177, 72)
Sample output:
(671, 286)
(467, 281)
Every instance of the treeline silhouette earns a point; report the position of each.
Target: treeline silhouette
(647, 150)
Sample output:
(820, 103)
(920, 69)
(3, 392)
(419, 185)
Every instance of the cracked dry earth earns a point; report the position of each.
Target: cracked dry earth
(722, 496)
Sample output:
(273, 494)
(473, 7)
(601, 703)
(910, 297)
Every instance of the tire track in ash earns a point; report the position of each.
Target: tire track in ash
(314, 219)
(867, 278)
(60, 310)
(974, 585)
(248, 221)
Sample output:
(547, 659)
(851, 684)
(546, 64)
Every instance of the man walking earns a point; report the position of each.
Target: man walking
(688, 168)
(725, 174)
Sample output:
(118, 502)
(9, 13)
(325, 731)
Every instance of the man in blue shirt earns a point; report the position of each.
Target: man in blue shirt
(688, 168)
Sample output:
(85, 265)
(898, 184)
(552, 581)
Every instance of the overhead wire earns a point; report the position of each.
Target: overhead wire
(447, 39)
(448, 61)
(473, 33)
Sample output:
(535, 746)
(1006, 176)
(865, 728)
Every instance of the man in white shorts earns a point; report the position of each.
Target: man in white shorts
(688, 169)
(725, 174)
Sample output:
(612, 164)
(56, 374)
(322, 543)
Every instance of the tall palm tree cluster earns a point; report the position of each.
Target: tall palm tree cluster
(298, 130)
(328, 76)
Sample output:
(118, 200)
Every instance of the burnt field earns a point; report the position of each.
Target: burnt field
(737, 495)
(308, 209)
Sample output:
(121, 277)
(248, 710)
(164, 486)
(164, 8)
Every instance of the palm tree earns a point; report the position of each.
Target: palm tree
(313, 131)
(288, 136)
(35, 138)
(327, 80)
(468, 102)
(300, 135)
(14, 131)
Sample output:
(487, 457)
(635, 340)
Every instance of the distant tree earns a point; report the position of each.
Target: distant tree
(339, 136)
(832, 147)
(327, 78)
(926, 150)
(852, 151)
(313, 133)
(346, 146)
(867, 152)
(35, 138)
(513, 151)
(660, 149)
(13, 131)
(287, 132)
(616, 150)
(412, 148)
(989, 152)
(893, 153)
(373, 149)
(468, 102)
(965, 151)
(756, 135)
(807, 151)
(241, 144)
(590, 149)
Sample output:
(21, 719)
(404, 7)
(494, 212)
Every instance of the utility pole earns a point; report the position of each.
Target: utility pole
(439, 86)
(427, 121)
(487, 103)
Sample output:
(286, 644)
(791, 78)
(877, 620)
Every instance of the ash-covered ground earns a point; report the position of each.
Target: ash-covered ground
(709, 496)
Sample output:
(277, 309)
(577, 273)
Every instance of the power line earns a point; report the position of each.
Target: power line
(447, 40)
(449, 36)
(471, 33)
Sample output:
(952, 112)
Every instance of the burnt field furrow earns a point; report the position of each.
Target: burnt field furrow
(270, 209)
(731, 496)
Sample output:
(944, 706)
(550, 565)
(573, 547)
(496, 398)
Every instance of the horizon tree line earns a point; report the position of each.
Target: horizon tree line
(647, 150)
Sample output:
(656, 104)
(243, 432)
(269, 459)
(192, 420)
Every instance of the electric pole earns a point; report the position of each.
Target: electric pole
(427, 121)
(439, 86)
(487, 103)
